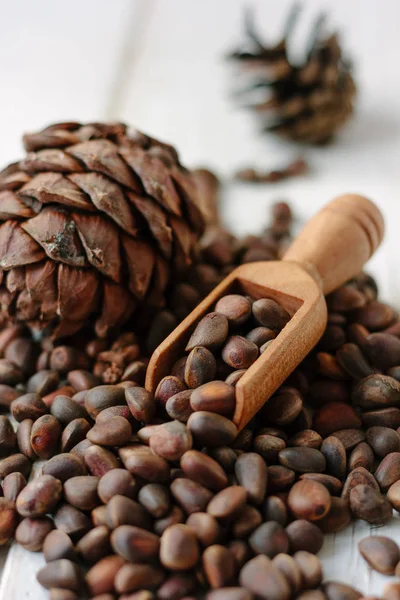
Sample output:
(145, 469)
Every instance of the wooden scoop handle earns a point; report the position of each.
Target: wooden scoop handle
(335, 244)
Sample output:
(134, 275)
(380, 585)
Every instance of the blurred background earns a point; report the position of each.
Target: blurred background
(160, 65)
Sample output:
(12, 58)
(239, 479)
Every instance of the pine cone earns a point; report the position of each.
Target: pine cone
(307, 103)
(97, 221)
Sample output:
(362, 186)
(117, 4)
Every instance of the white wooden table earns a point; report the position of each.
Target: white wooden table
(158, 64)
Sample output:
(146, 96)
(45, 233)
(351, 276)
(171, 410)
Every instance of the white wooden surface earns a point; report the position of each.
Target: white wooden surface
(158, 64)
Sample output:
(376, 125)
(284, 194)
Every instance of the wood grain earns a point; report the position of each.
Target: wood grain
(339, 240)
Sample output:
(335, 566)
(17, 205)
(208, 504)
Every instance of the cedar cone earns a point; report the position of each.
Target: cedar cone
(98, 219)
(306, 102)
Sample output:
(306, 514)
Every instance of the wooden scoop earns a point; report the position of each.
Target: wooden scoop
(331, 249)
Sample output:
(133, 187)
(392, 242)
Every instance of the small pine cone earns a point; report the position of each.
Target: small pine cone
(96, 221)
(305, 102)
